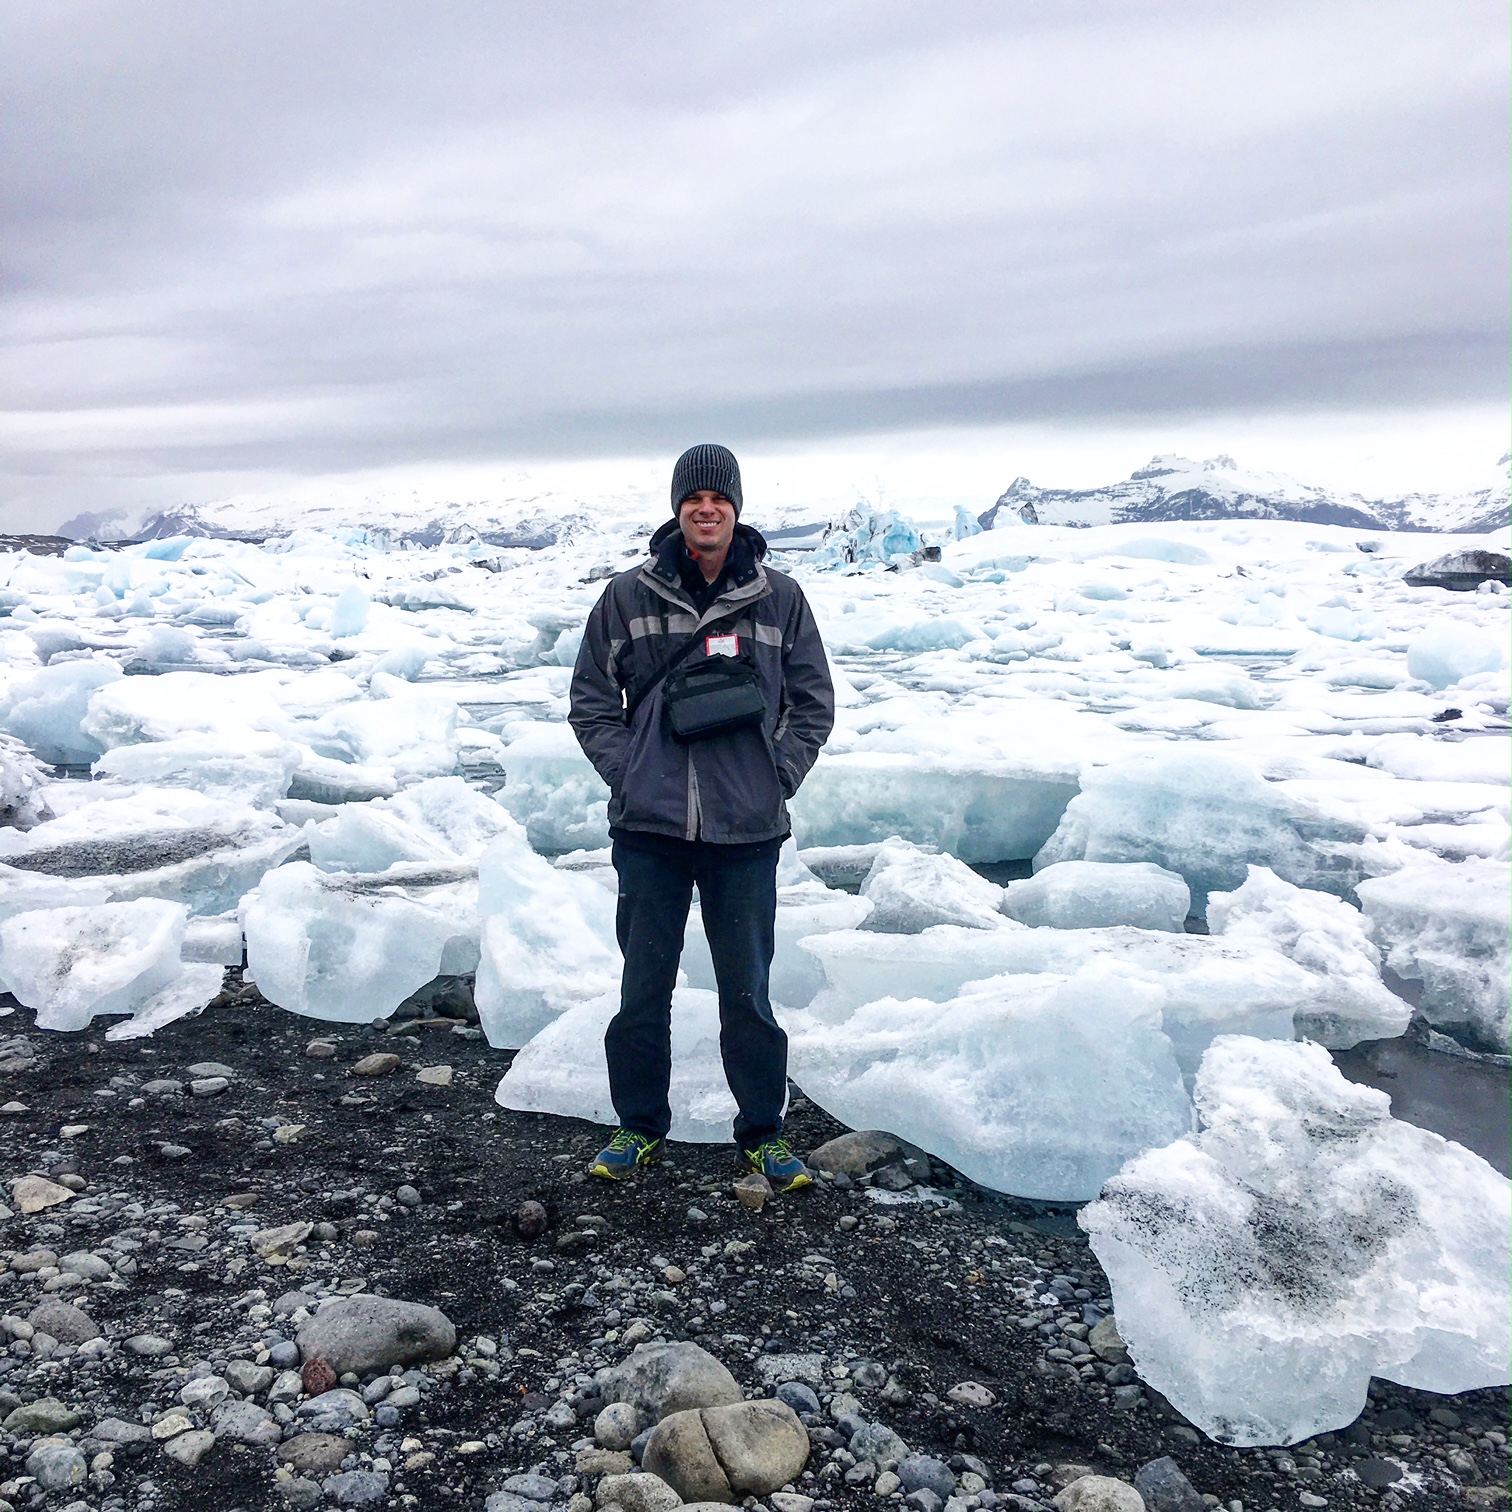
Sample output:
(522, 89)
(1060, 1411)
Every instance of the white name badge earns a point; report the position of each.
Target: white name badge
(722, 645)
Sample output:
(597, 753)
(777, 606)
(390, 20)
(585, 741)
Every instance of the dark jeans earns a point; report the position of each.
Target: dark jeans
(737, 893)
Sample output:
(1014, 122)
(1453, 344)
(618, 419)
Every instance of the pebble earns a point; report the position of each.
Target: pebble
(434, 1076)
(46, 1415)
(316, 1454)
(211, 1068)
(190, 1448)
(378, 1064)
(34, 1194)
(66, 1323)
(356, 1488)
(149, 1346)
(321, 1049)
(752, 1190)
(536, 1488)
(922, 1472)
(209, 1086)
(271, 1242)
(57, 1464)
(407, 1196)
(372, 1333)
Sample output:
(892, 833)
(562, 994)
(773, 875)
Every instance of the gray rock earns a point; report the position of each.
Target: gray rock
(162, 1087)
(190, 1448)
(204, 1392)
(799, 1397)
(314, 1454)
(1099, 1493)
(637, 1492)
(775, 1368)
(65, 1322)
(507, 1501)
(407, 1196)
(726, 1453)
(618, 1424)
(290, 1303)
(1378, 1473)
(247, 1378)
(284, 1354)
(356, 1488)
(114, 1432)
(923, 1500)
(332, 1411)
(371, 1333)
(863, 1150)
(45, 1415)
(149, 1346)
(210, 1068)
(303, 1495)
(1107, 1343)
(921, 1472)
(245, 1423)
(90, 1266)
(661, 1379)
(58, 1464)
(1165, 1489)
(879, 1444)
(209, 1086)
(536, 1488)
(1461, 570)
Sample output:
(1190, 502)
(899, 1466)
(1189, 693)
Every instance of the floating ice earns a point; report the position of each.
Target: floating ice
(1266, 1267)
(23, 801)
(73, 964)
(1329, 937)
(1097, 894)
(255, 769)
(551, 788)
(1198, 812)
(910, 890)
(46, 711)
(414, 736)
(157, 843)
(1204, 986)
(1449, 651)
(351, 948)
(996, 1080)
(442, 820)
(547, 941)
(563, 1069)
(349, 614)
(976, 810)
(1447, 925)
(321, 779)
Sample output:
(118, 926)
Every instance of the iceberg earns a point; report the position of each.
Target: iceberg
(1446, 924)
(547, 945)
(1328, 937)
(47, 711)
(1099, 894)
(911, 890)
(563, 1070)
(442, 820)
(73, 964)
(1202, 813)
(977, 810)
(1303, 1241)
(255, 770)
(552, 789)
(1448, 652)
(414, 736)
(351, 948)
(23, 780)
(996, 1080)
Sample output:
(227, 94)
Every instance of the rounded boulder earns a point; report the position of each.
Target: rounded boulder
(722, 1454)
(363, 1333)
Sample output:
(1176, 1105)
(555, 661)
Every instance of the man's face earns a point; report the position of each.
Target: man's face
(708, 522)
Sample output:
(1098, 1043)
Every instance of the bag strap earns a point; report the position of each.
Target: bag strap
(667, 667)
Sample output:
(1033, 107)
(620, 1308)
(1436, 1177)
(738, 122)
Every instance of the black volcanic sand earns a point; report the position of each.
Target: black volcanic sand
(934, 1297)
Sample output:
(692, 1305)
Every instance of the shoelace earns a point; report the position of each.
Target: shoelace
(777, 1149)
(623, 1140)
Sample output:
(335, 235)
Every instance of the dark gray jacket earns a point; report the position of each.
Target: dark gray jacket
(729, 789)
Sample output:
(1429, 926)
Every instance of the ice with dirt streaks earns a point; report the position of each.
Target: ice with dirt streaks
(995, 1080)
(1099, 894)
(1302, 1241)
(74, 964)
(563, 1070)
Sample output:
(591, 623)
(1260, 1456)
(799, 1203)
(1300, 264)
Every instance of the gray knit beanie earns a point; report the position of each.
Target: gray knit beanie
(712, 467)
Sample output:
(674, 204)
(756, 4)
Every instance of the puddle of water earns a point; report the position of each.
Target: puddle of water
(1463, 1099)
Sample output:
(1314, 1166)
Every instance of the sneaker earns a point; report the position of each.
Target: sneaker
(775, 1160)
(625, 1154)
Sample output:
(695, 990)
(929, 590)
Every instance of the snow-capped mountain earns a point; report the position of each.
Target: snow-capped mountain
(1177, 488)
(526, 514)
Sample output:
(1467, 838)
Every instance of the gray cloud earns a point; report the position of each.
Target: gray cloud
(272, 236)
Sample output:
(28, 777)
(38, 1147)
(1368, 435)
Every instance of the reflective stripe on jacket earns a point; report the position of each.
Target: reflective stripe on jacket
(728, 789)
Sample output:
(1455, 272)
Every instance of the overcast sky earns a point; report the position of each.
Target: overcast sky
(266, 241)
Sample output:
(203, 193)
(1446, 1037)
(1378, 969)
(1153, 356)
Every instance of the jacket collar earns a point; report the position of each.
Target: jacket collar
(747, 579)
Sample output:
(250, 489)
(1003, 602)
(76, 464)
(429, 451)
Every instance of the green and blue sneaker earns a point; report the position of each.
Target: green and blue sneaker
(775, 1160)
(624, 1155)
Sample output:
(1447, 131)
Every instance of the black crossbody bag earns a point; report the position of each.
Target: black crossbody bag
(712, 697)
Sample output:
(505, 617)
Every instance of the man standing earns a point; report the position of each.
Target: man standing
(702, 696)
